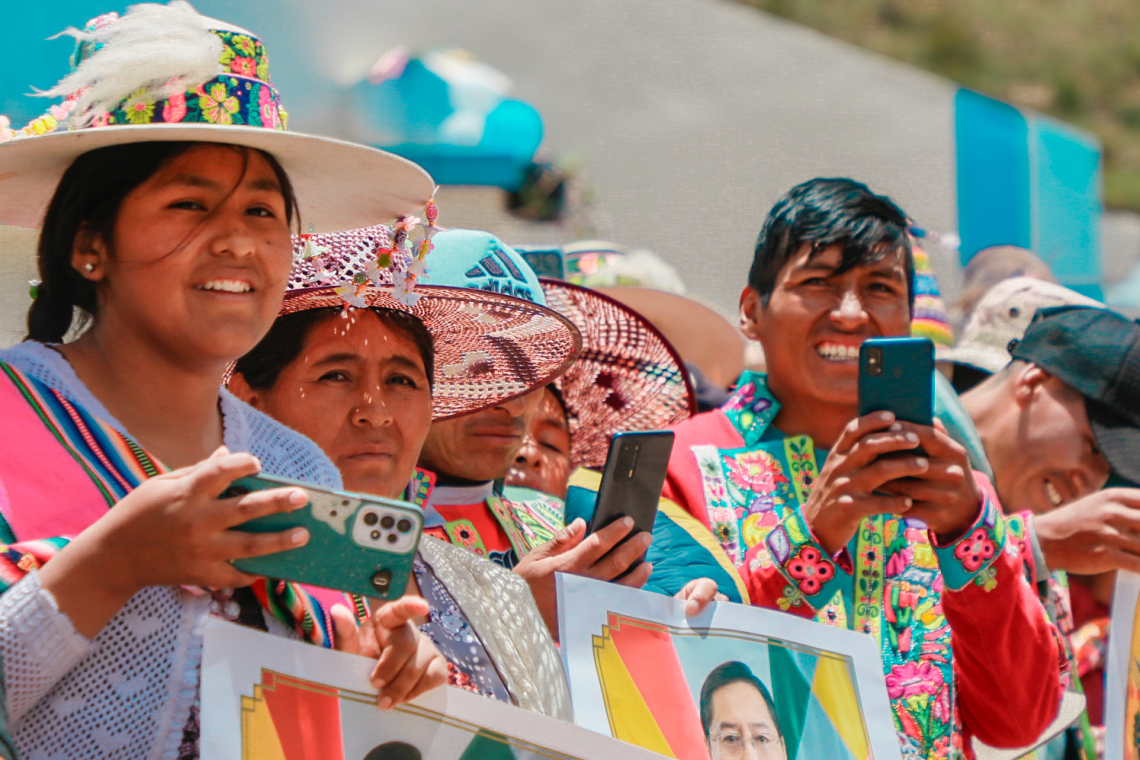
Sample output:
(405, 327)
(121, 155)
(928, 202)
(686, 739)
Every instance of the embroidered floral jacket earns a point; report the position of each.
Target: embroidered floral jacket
(529, 518)
(967, 646)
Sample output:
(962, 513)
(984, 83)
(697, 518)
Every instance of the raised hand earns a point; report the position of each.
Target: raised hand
(593, 556)
(408, 664)
(1096, 534)
(698, 595)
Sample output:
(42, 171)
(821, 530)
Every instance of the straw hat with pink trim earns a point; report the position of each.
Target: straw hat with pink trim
(627, 378)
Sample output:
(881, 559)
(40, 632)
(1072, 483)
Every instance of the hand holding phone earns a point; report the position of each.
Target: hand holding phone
(358, 543)
(632, 481)
(897, 375)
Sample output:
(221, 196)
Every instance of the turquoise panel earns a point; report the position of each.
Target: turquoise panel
(993, 174)
(1067, 204)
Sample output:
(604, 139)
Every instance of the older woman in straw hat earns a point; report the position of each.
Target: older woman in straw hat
(361, 360)
(165, 186)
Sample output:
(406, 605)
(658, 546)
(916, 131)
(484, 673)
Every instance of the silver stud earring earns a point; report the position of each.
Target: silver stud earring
(89, 267)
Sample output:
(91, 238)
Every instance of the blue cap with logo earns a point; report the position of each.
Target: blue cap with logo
(479, 260)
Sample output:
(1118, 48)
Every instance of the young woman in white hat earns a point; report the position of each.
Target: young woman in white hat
(165, 188)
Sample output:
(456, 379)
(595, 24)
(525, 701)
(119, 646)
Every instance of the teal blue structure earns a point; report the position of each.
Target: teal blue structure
(411, 110)
(1031, 181)
(408, 110)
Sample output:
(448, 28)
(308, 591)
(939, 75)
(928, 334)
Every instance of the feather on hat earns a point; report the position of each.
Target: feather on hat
(165, 72)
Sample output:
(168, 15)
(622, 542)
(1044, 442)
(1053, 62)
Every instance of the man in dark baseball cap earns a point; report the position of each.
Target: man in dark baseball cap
(1096, 352)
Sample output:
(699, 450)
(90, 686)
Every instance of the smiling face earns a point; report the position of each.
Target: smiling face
(1042, 449)
(358, 389)
(479, 446)
(199, 256)
(742, 725)
(816, 319)
(543, 460)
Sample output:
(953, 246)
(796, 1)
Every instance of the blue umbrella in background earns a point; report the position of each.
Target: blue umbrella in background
(450, 113)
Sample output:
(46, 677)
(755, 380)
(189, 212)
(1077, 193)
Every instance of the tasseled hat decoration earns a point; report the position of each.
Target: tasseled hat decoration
(399, 261)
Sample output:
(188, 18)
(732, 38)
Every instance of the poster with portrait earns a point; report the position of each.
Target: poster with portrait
(269, 698)
(691, 688)
(1122, 700)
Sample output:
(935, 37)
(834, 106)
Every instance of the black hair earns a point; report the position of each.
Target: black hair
(88, 197)
(394, 751)
(728, 673)
(825, 212)
(283, 343)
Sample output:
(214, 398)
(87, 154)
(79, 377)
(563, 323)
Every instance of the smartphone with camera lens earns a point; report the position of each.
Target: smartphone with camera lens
(358, 543)
(897, 375)
(632, 481)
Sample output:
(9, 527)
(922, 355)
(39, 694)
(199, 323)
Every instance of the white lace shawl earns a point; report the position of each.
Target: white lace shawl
(127, 693)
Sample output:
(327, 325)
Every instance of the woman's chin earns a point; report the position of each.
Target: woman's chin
(367, 480)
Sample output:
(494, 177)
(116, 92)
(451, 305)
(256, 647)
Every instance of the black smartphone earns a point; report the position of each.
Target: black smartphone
(632, 481)
(897, 375)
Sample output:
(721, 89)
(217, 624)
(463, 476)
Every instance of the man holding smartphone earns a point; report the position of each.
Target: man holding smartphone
(837, 517)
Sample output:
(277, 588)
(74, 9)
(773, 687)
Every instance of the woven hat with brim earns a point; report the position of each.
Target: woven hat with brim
(700, 335)
(167, 73)
(1097, 352)
(490, 346)
(1002, 315)
(628, 377)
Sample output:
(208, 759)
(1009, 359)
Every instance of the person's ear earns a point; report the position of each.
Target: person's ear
(89, 254)
(240, 388)
(751, 312)
(1028, 382)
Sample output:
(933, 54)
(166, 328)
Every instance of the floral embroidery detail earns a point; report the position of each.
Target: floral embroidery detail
(463, 533)
(218, 106)
(811, 569)
(987, 579)
(791, 598)
(268, 109)
(724, 528)
(974, 551)
(138, 111)
(758, 525)
(174, 110)
(913, 679)
(751, 408)
(756, 471)
(244, 66)
(243, 44)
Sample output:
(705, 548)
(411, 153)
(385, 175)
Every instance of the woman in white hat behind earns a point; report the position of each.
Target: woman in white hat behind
(165, 187)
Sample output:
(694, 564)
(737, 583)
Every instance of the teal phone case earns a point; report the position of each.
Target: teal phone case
(897, 375)
(358, 543)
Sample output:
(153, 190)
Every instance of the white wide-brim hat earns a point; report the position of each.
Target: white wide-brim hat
(339, 185)
(168, 73)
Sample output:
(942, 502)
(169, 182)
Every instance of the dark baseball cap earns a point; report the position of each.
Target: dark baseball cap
(1096, 352)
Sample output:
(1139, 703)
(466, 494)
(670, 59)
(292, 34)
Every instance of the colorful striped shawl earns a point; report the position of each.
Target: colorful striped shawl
(61, 468)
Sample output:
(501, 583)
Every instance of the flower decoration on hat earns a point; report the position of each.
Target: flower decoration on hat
(160, 64)
(395, 256)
